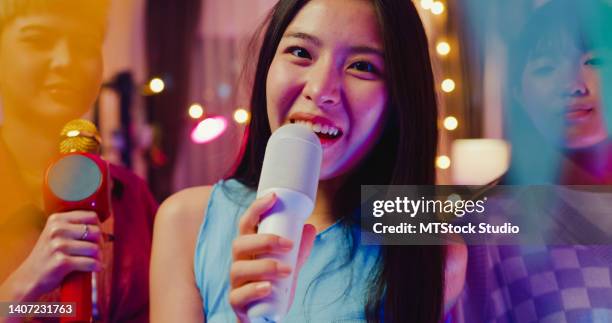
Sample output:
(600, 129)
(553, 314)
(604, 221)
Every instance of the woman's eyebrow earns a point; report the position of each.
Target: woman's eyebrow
(362, 49)
(49, 30)
(307, 37)
(35, 28)
(365, 50)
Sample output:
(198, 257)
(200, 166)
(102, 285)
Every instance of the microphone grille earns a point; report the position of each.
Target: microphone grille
(80, 136)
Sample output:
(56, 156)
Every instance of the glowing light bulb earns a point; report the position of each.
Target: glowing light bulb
(443, 48)
(443, 162)
(448, 85)
(157, 85)
(426, 4)
(437, 8)
(241, 115)
(450, 123)
(196, 111)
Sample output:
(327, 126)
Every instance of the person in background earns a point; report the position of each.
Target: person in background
(557, 110)
(50, 74)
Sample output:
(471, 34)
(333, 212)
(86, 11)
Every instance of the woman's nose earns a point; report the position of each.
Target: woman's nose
(61, 55)
(575, 84)
(577, 89)
(323, 84)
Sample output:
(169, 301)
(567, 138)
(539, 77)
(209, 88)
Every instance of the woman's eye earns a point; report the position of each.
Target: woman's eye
(595, 61)
(38, 42)
(299, 52)
(543, 70)
(365, 67)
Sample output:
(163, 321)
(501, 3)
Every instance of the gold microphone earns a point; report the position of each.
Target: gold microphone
(80, 136)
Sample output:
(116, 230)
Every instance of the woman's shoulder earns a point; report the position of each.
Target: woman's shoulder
(188, 208)
(185, 204)
(181, 214)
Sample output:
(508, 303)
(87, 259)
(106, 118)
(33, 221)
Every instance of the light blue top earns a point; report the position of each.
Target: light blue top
(326, 290)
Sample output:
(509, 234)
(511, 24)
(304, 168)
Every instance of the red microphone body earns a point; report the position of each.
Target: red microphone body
(78, 180)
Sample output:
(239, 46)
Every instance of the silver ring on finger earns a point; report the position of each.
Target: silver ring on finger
(85, 233)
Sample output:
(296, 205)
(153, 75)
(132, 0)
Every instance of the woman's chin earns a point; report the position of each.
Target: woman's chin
(584, 142)
(330, 170)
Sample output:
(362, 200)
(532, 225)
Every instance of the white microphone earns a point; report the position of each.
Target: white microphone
(291, 170)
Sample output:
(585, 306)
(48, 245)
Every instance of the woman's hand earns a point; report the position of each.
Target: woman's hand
(69, 242)
(251, 279)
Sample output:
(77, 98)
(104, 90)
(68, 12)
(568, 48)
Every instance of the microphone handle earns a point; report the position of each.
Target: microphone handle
(76, 288)
(286, 219)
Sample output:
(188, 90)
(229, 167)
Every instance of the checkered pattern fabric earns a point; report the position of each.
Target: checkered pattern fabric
(567, 284)
(550, 284)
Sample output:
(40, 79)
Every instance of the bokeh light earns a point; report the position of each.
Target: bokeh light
(426, 4)
(157, 85)
(196, 111)
(443, 48)
(443, 162)
(451, 123)
(437, 8)
(241, 115)
(208, 129)
(448, 85)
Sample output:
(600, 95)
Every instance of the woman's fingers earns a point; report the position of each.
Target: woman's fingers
(244, 271)
(250, 219)
(250, 245)
(75, 225)
(241, 297)
(85, 232)
(72, 239)
(251, 279)
(67, 264)
(76, 248)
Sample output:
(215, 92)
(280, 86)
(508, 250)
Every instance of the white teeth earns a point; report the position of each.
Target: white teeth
(319, 128)
(304, 123)
(325, 129)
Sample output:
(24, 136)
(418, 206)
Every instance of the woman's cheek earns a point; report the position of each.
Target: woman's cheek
(283, 89)
(536, 97)
(368, 101)
(273, 94)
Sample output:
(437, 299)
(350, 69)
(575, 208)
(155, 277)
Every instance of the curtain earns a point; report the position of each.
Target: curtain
(218, 83)
(171, 30)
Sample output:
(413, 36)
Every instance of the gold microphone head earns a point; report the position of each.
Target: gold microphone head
(80, 136)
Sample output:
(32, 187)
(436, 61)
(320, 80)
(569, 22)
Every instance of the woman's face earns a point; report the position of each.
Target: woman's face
(328, 73)
(561, 93)
(50, 67)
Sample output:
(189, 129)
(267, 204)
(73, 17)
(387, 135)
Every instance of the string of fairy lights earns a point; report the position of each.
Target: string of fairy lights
(443, 49)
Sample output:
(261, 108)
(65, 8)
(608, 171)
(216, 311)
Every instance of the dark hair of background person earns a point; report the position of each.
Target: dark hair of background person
(409, 283)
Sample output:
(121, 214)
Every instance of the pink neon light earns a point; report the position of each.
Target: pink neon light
(208, 129)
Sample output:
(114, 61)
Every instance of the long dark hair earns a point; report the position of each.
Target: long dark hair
(408, 285)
